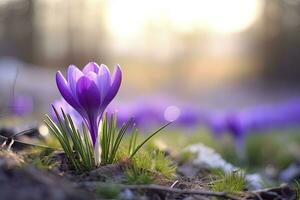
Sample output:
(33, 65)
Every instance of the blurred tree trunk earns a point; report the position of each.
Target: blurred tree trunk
(281, 42)
(16, 29)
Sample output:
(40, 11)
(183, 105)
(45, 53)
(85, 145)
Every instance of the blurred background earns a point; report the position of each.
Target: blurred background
(216, 54)
(232, 66)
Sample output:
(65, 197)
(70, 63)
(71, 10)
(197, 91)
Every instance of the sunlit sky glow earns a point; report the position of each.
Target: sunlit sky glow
(132, 17)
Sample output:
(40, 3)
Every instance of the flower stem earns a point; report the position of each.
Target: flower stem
(93, 128)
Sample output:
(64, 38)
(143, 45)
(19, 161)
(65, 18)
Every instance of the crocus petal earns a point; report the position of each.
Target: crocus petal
(103, 81)
(114, 88)
(88, 95)
(70, 70)
(65, 91)
(103, 70)
(94, 77)
(73, 75)
(92, 66)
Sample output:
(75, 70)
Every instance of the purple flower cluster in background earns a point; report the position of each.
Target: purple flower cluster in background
(148, 112)
(256, 119)
(151, 111)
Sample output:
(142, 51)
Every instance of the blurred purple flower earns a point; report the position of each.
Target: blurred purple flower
(89, 92)
(255, 119)
(281, 115)
(21, 105)
(145, 112)
(189, 116)
(216, 122)
(148, 112)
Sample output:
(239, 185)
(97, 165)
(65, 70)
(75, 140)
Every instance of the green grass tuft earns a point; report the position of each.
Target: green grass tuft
(143, 160)
(78, 146)
(231, 183)
(111, 138)
(139, 172)
(163, 165)
(218, 172)
(147, 163)
(138, 176)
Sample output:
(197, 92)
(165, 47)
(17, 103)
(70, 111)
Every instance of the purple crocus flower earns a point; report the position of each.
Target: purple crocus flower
(89, 91)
